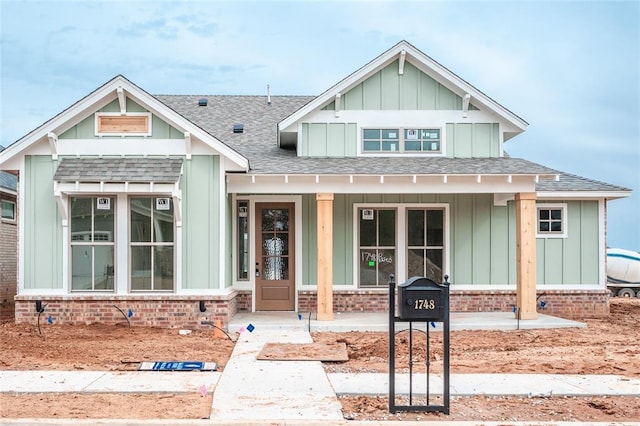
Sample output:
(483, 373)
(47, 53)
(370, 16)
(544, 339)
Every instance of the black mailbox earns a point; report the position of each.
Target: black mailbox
(422, 299)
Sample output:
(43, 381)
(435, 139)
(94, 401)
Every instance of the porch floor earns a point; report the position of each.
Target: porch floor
(379, 321)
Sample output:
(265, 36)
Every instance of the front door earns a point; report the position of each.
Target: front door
(275, 284)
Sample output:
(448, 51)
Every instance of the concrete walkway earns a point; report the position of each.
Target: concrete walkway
(251, 389)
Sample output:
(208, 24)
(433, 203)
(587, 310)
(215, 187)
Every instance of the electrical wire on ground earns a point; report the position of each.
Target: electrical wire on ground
(215, 326)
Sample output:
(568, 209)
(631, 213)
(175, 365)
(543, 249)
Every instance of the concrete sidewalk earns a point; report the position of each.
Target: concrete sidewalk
(240, 381)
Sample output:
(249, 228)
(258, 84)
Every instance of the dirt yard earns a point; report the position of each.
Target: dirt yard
(607, 346)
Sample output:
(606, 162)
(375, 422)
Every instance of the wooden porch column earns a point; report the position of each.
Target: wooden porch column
(526, 255)
(324, 203)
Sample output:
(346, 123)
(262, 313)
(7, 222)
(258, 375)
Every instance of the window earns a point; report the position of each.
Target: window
(8, 210)
(425, 243)
(151, 243)
(243, 240)
(551, 220)
(377, 246)
(402, 140)
(92, 243)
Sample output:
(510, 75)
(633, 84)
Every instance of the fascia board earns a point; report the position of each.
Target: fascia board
(583, 195)
(102, 96)
(423, 62)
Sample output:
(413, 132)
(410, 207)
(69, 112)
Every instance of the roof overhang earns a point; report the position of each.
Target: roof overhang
(584, 195)
(383, 184)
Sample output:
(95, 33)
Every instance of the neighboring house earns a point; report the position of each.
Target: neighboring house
(8, 244)
(162, 206)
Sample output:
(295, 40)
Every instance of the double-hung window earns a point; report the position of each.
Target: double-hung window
(401, 140)
(92, 243)
(151, 243)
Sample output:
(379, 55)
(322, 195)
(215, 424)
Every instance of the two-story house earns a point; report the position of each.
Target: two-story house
(176, 208)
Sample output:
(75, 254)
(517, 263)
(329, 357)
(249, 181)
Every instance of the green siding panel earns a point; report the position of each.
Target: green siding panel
(371, 93)
(390, 87)
(201, 196)
(462, 240)
(500, 245)
(589, 249)
(336, 140)
(309, 240)
(481, 243)
(428, 92)
(463, 140)
(410, 87)
(353, 99)
(317, 140)
(42, 227)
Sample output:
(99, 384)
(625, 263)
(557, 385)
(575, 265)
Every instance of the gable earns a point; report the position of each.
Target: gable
(89, 128)
(73, 131)
(389, 90)
(403, 79)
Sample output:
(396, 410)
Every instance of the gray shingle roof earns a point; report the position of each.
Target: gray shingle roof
(258, 143)
(8, 181)
(569, 182)
(159, 170)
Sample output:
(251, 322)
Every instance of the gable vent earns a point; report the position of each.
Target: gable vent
(238, 128)
(202, 102)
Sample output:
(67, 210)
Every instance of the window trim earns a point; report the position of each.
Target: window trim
(377, 247)
(151, 244)
(93, 243)
(148, 115)
(401, 141)
(401, 239)
(8, 219)
(563, 220)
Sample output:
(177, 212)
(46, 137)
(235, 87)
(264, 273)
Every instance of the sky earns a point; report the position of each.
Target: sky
(570, 69)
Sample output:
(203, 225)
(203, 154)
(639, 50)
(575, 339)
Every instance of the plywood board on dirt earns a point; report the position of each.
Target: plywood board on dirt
(304, 352)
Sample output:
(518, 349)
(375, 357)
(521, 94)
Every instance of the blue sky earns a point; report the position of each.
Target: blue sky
(571, 69)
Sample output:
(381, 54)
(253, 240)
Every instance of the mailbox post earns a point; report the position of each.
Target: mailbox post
(419, 300)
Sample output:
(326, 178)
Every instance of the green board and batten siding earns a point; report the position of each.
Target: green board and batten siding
(572, 260)
(482, 240)
(85, 129)
(43, 226)
(387, 90)
(201, 257)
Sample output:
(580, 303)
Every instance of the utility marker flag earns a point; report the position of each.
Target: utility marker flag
(203, 390)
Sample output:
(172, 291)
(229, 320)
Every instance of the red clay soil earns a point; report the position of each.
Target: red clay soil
(606, 346)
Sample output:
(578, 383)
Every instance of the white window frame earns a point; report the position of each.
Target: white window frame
(8, 219)
(401, 239)
(71, 242)
(152, 244)
(563, 220)
(149, 116)
(401, 141)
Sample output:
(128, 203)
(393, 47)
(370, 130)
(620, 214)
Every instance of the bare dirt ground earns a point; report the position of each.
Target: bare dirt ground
(607, 346)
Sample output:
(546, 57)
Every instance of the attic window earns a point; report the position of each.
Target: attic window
(238, 128)
(130, 124)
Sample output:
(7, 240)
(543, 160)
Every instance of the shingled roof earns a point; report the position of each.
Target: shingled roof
(129, 169)
(258, 143)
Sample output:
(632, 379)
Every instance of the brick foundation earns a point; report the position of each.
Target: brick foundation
(565, 304)
(167, 311)
(171, 311)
